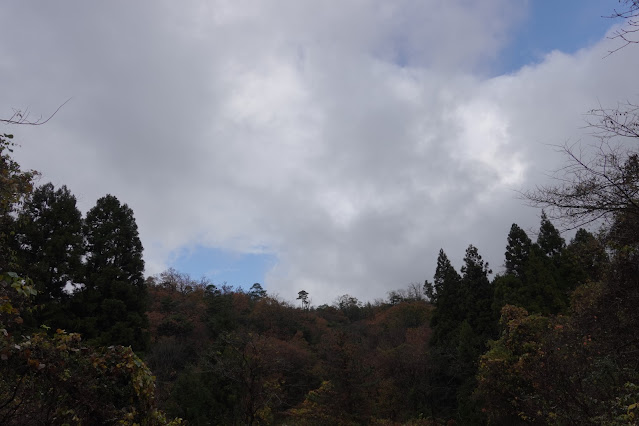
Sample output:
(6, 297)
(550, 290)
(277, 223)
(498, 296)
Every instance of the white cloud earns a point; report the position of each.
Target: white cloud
(352, 141)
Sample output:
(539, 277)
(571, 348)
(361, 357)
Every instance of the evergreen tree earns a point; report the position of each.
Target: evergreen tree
(517, 251)
(257, 292)
(549, 238)
(538, 275)
(445, 323)
(584, 259)
(112, 304)
(446, 298)
(49, 234)
(479, 326)
(49, 237)
(477, 294)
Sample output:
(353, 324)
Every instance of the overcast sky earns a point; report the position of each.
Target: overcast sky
(329, 146)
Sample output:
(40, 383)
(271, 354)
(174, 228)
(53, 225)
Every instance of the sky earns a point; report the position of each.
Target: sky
(332, 147)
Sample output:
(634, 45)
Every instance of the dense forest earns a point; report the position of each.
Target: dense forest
(551, 338)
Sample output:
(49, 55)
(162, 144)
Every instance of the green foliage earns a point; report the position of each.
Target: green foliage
(54, 379)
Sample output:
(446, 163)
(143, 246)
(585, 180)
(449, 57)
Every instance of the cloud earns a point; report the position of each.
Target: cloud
(351, 142)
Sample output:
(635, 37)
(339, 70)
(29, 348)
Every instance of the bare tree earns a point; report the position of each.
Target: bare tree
(597, 185)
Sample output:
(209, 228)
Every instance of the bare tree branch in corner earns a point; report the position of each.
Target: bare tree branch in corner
(628, 34)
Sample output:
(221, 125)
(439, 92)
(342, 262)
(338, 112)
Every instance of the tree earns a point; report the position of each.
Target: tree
(549, 238)
(350, 306)
(445, 323)
(15, 185)
(49, 239)
(257, 292)
(477, 293)
(303, 296)
(598, 188)
(446, 298)
(517, 251)
(112, 304)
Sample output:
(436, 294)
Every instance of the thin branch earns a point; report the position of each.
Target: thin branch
(22, 117)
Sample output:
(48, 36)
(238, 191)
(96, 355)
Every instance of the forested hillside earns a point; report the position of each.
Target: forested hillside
(551, 339)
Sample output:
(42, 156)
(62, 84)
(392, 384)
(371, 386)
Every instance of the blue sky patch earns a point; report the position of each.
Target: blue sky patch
(567, 26)
(236, 269)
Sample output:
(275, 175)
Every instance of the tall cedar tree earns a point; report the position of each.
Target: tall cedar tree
(477, 294)
(517, 251)
(445, 323)
(446, 297)
(479, 326)
(112, 304)
(49, 237)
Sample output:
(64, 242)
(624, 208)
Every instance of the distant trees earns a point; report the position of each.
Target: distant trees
(302, 295)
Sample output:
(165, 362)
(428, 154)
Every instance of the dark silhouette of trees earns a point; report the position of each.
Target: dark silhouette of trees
(111, 306)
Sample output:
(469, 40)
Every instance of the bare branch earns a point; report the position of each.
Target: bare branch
(629, 34)
(22, 117)
(600, 185)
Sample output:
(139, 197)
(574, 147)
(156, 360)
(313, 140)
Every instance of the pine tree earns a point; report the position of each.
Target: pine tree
(112, 304)
(517, 251)
(257, 292)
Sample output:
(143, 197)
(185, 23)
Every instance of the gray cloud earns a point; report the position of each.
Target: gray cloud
(352, 142)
